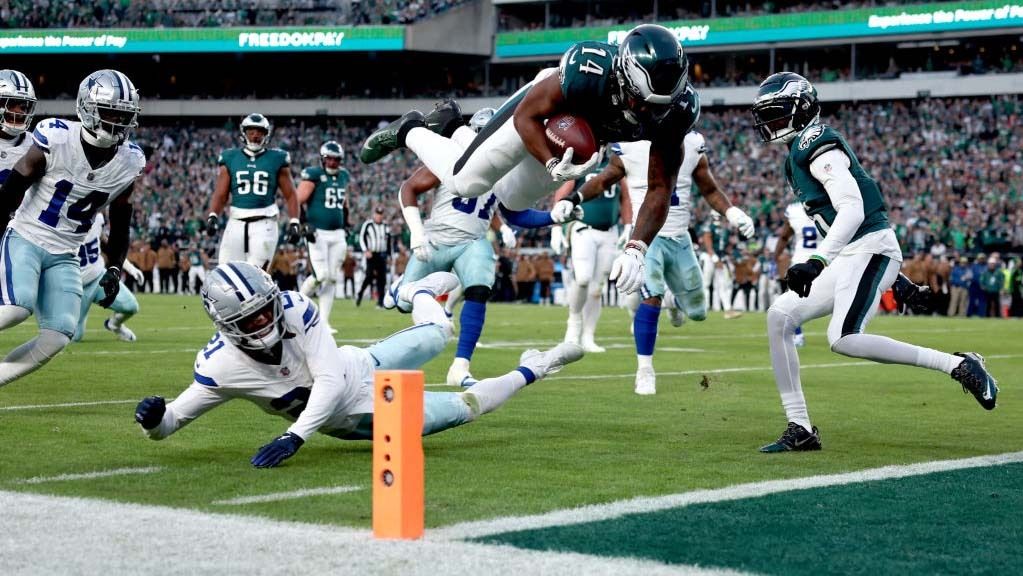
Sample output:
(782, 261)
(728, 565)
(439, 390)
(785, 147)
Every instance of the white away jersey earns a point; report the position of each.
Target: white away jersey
(636, 158)
(343, 378)
(455, 220)
(58, 210)
(10, 152)
(805, 236)
(89, 256)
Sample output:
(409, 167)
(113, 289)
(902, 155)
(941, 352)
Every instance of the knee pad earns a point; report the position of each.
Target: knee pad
(477, 293)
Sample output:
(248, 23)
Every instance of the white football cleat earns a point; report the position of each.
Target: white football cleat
(548, 362)
(799, 340)
(733, 314)
(391, 298)
(122, 331)
(437, 283)
(591, 347)
(646, 381)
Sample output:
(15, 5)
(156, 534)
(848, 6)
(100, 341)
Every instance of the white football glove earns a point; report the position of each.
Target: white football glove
(557, 240)
(134, 272)
(563, 170)
(508, 236)
(740, 221)
(563, 211)
(627, 270)
(422, 249)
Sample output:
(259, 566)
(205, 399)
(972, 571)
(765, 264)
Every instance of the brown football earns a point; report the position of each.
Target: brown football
(568, 131)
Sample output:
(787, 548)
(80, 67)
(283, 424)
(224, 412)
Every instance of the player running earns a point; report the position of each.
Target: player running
(670, 263)
(72, 171)
(273, 350)
(805, 243)
(124, 306)
(857, 259)
(323, 193)
(250, 177)
(637, 90)
(717, 265)
(454, 240)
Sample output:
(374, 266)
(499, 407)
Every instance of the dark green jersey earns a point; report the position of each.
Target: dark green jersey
(325, 209)
(602, 211)
(813, 141)
(591, 91)
(253, 178)
(719, 237)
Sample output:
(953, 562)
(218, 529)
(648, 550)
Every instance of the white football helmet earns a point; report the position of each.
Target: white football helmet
(256, 120)
(108, 106)
(17, 102)
(331, 149)
(245, 305)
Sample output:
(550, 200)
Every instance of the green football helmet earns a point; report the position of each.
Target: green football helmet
(261, 123)
(331, 150)
(786, 104)
(652, 72)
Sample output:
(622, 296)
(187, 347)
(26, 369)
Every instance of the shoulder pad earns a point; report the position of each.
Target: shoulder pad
(300, 314)
(309, 173)
(284, 155)
(812, 141)
(51, 132)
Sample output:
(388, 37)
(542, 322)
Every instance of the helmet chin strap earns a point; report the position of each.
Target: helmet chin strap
(331, 171)
(95, 140)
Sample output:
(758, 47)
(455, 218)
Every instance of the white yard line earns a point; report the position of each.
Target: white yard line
(61, 535)
(293, 495)
(620, 508)
(63, 405)
(90, 475)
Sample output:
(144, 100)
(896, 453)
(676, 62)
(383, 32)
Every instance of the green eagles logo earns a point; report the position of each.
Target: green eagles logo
(809, 135)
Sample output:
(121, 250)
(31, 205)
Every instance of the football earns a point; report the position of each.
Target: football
(567, 131)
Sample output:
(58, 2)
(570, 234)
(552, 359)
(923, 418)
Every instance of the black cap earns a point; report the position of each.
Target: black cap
(379, 210)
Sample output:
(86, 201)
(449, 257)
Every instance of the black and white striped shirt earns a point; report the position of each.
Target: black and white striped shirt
(374, 237)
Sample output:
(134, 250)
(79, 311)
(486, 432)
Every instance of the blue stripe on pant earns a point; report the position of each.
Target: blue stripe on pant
(48, 285)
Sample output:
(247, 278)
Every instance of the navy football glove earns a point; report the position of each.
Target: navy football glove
(149, 412)
(111, 285)
(294, 232)
(801, 276)
(309, 233)
(278, 451)
(912, 296)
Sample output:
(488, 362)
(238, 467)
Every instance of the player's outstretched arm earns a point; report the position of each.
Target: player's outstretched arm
(29, 169)
(712, 193)
(159, 419)
(420, 182)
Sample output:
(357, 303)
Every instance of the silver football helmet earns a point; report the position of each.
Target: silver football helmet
(245, 305)
(108, 106)
(256, 120)
(481, 118)
(17, 102)
(331, 149)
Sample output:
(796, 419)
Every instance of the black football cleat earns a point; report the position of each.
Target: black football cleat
(976, 380)
(445, 118)
(390, 137)
(794, 439)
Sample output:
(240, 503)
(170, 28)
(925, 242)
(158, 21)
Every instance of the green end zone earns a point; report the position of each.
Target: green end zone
(966, 521)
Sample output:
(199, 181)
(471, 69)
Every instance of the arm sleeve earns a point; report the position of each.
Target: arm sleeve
(832, 170)
(527, 218)
(195, 401)
(332, 378)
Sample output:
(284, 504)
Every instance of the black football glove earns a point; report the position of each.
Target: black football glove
(282, 448)
(110, 282)
(801, 276)
(294, 232)
(212, 224)
(911, 296)
(149, 412)
(309, 233)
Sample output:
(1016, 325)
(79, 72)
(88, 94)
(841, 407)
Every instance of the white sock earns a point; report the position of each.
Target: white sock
(308, 286)
(491, 393)
(454, 297)
(888, 351)
(326, 300)
(31, 355)
(785, 361)
(437, 152)
(644, 361)
(11, 315)
(591, 315)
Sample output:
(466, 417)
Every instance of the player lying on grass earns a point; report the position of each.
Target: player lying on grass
(273, 350)
(857, 260)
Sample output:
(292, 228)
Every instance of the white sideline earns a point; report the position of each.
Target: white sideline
(293, 495)
(620, 508)
(63, 405)
(89, 475)
(60, 535)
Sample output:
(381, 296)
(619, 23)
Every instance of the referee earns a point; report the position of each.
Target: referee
(375, 241)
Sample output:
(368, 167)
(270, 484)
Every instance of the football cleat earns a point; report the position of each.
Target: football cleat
(733, 314)
(436, 284)
(391, 299)
(799, 340)
(390, 137)
(677, 316)
(543, 364)
(795, 439)
(445, 118)
(591, 347)
(122, 331)
(646, 381)
(976, 380)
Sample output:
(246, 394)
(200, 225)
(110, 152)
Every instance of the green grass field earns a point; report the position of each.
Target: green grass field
(579, 438)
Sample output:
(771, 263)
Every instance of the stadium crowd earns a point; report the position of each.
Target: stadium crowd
(197, 13)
